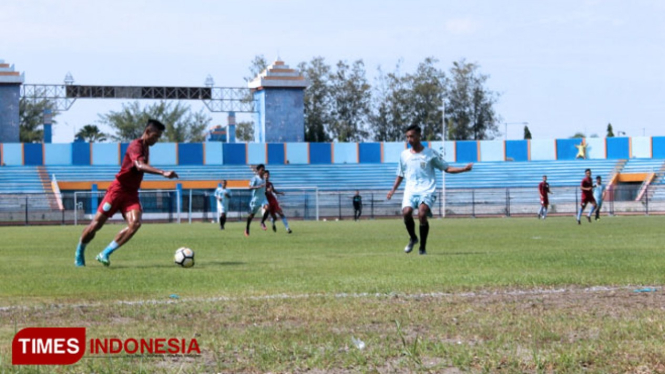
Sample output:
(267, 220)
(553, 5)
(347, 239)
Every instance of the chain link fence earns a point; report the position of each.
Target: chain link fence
(313, 204)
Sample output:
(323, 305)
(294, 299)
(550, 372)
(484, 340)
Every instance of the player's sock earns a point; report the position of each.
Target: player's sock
(222, 221)
(286, 223)
(265, 217)
(424, 231)
(579, 214)
(80, 254)
(110, 249)
(410, 227)
(249, 220)
(540, 211)
(544, 213)
(593, 208)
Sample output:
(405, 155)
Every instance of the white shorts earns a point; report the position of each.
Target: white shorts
(222, 208)
(255, 205)
(414, 201)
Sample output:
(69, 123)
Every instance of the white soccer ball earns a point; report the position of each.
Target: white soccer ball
(184, 257)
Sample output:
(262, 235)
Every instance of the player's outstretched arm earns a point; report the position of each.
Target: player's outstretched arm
(142, 166)
(455, 170)
(398, 181)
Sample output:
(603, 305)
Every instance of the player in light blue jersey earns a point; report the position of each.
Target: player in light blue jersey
(417, 165)
(598, 194)
(223, 195)
(258, 187)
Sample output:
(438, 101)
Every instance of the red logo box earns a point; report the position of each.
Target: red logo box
(48, 346)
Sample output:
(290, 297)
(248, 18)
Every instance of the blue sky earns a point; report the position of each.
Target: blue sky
(562, 66)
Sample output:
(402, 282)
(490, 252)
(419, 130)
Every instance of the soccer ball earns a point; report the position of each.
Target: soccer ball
(184, 257)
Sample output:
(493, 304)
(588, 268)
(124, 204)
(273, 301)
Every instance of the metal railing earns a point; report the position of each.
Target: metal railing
(313, 204)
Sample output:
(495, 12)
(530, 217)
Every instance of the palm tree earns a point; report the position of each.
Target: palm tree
(91, 134)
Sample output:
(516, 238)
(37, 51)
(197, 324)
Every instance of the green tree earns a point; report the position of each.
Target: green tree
(578, 135)
(182, 125)
(470, 104)
(91, 134)
(258, 64)
(351, 95)
(527, 133)
(317, 99)
(245, 131)
(610, 132)
(31, 119)
(390, 105)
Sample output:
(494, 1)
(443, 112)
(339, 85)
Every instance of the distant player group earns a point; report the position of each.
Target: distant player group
(417, 165)
(591, 194)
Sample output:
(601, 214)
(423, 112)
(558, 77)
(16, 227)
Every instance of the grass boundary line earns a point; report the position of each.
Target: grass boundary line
(533, 292)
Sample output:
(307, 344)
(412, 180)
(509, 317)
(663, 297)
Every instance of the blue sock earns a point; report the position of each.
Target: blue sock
(540, 211)
(544, 213)
(593, 208)
(110, 249)
(285, 222)
(579, 214)
(80, 248)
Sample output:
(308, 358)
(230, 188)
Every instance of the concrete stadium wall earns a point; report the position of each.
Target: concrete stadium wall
(217, 153)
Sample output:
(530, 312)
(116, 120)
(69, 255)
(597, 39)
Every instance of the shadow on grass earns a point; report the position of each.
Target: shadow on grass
(457, 253)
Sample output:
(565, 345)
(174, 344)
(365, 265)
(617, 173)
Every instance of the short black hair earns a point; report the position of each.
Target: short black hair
(599, 177)
(415, 128)
(155, 124)
(266, 172)
(260, 166)
(589, 170)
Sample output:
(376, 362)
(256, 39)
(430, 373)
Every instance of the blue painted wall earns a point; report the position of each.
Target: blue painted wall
(12, 154)
(123, 150)
(618, 148)
(234, 154)
(658, 146)
(105, 154)
(542, 150)
(467, 151)
(517, 150)
(276, 154)
(492, 150)
(256, 153)
(595, 148)
(392, 151)
(565, 148)
(297, 153)
(320, 153)
(163, 154)
(190, 154)
(57, 154)
(33, 154)
(213, 153)
(345, 153)
(81, 153)
(369, 153)
(640, 147)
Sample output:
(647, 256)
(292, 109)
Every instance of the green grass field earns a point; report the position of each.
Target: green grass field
(492, 295)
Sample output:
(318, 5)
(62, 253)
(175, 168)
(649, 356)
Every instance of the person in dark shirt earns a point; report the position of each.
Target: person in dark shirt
(587, 196)
(357, 205)
(544, 190)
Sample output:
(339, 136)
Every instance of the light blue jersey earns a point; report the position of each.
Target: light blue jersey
(598, 192)
(418, 169)
(223, 196)
(258, 195)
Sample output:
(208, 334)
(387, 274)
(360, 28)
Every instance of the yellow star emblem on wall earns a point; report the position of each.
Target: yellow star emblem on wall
(581, 150)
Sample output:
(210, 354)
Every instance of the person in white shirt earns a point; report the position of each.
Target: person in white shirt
(258, 186)
(223, 195)
(417, 165)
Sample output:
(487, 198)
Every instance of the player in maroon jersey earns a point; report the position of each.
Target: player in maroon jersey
(587, 196)
(123, 194)
(273, 209)
(544, 189)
